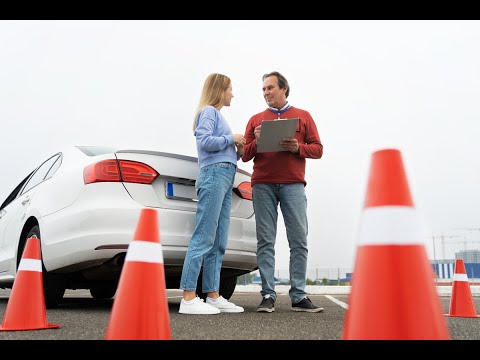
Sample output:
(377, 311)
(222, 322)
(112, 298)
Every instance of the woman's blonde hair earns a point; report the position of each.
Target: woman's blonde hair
(213, 93)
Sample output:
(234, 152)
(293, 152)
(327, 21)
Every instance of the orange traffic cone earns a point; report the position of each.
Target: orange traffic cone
(26, 305)
(461, 301)
(393, 295)
(140, 308)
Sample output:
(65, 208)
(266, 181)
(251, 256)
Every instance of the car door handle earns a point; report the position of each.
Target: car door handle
(26, 200)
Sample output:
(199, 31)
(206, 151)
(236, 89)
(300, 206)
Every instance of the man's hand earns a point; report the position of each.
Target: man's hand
(257, 131)
(291, 144)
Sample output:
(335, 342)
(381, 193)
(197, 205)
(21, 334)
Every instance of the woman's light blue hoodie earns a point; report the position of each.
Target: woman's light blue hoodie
(214, 138)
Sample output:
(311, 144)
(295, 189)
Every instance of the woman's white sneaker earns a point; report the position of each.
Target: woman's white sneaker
(224, 305)
(197, 307)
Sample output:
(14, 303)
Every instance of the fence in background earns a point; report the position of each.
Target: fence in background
(317, 276)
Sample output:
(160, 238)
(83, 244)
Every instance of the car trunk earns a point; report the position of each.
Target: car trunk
(174, 188)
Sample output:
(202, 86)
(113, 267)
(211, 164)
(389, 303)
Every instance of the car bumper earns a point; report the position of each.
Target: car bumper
(81, 238)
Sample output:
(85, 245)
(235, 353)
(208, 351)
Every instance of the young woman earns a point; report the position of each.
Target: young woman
(218, 151)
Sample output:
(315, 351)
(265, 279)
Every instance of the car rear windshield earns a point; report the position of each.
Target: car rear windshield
(96, 150)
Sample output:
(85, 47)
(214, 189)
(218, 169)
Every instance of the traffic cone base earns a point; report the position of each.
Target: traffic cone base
(45, 327)
(152, 326)
(26, 308)
(378, 298)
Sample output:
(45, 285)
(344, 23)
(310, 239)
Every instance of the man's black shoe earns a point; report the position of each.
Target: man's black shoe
(267, 305)
(306, 305)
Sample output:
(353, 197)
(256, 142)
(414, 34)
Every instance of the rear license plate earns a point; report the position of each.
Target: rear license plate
(180, 192)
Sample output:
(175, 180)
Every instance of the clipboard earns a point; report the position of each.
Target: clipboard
(273, 131)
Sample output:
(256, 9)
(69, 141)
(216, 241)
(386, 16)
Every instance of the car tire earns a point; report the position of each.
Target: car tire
(53, 284)
(103, 290)
(227, 287)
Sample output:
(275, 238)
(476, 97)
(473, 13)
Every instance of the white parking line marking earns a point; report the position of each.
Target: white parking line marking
(336, 301)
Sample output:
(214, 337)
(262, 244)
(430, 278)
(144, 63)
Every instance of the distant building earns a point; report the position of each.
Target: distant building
(347, 280)
(445, 269)
(278, 281)
(469, 256)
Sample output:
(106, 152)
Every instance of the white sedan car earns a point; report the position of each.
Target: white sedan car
(84, 204)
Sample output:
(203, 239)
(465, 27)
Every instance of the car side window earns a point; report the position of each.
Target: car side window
(54, 167)
(14, 193)
(40, 173)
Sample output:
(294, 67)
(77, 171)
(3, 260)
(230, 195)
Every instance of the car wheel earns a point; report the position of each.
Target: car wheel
(53, 284)
(227, 287)
(103, 290)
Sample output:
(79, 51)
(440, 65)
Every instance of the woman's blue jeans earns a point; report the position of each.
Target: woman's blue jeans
(293, 203)
(209, 239)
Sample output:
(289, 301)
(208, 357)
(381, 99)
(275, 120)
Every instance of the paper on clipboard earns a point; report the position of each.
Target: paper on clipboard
(273, 131)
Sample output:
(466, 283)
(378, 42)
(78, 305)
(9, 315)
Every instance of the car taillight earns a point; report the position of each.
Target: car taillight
(119, 171)
(106, 170)
(136, 172)
(244, 190)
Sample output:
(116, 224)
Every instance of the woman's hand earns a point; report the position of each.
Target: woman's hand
(240, 149)
(239, 139)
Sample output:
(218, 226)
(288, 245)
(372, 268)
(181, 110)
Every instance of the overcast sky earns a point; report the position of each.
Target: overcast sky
(369, 85)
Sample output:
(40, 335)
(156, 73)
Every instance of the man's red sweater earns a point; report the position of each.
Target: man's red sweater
(282, 167)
